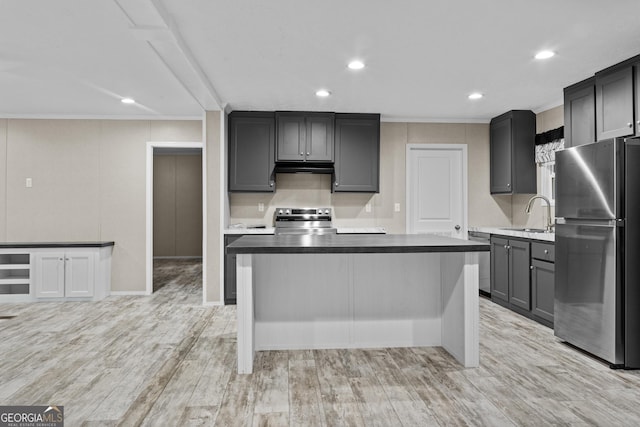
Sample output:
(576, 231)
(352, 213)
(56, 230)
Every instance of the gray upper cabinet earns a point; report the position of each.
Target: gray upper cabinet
(614, 102)
(357, 145)
(512, 145)
(304, 137)
(251, 151)
(580, 113)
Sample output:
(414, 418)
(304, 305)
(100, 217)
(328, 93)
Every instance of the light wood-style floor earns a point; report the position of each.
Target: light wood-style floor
(165, 360)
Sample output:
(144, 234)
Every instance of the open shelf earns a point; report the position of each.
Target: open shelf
(15, 273)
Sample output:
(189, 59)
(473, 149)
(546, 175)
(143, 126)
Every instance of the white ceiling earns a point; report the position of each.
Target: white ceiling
(78, 58)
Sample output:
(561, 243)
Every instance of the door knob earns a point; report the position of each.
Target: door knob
(457, 227)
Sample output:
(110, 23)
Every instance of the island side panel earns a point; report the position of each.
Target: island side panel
(397, 300)
(307, 301)
(302, 301)
(460, 311)
(245, 313)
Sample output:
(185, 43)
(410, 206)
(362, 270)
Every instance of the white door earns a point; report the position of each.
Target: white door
(49, 272)
(437, 189)
(78, 280)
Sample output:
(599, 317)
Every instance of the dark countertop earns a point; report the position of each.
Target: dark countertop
(9, 245)
(351, 243)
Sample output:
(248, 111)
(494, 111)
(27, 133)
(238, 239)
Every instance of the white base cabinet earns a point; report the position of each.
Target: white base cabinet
(65, 274)
(43, 272)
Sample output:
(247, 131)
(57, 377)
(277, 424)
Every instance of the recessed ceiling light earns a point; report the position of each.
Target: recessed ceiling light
(323, 93)
(128, 101)
(356, 65)
(545, 54)
(475, 95)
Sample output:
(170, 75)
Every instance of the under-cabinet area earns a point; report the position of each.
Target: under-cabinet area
(522, 276)
(60, 271)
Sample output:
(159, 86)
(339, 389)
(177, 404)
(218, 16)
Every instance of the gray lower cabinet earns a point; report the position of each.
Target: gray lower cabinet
(519, 278)
(230, 270)
(499, 270)
(542, 289)
(510, 283)
(522, 277)
(542, 282)
(357, 153)
(251, 151)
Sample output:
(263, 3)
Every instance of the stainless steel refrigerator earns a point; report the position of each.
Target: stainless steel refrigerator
(597, 281)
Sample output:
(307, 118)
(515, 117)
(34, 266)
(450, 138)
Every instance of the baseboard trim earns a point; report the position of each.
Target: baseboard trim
(126, 293)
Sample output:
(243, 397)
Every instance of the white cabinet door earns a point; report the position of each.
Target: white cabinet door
(79, 277)
(49, 280)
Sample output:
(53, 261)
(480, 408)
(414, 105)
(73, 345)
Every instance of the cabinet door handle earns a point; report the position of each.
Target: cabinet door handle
(336, 183)
(301, 153)
(508, 185)
(531, 267)
(630, 124)
(457, 227)
(271, 184)
(546, 251)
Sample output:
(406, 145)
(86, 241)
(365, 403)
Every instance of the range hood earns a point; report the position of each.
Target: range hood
(305, 167)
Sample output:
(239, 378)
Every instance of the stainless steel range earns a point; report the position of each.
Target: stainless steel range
(303, 221)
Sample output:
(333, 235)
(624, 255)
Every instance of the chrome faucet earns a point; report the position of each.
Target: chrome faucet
(549, 227)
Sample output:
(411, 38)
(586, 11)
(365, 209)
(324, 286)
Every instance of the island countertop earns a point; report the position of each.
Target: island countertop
(337, 243)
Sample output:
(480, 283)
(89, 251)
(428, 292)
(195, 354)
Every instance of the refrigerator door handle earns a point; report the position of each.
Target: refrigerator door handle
(593, 223)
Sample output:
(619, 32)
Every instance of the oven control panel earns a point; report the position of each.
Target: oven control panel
(302, 212)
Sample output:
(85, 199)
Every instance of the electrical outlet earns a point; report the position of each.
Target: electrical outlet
(260, 207)
(28, 183)
(396, 207)
(367, 207)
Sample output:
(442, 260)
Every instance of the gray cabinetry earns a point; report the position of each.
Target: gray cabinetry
(499, 269)
(519, 280)
(510, 278)
(580, 113)
(522, 277)
(230, 271)
(304, 137)
(542, 282)
(614, 102)
(251, 151)
(512, 153)
(357, 156)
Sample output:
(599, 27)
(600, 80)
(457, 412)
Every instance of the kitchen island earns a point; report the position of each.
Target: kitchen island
(356, 291)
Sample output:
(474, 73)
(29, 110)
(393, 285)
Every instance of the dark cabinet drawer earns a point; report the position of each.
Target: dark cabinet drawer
(543, 251)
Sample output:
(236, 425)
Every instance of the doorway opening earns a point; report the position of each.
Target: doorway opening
(175, 215)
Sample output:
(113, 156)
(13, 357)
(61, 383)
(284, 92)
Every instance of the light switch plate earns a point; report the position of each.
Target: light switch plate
(396, 207)
(260, 207)
(367, 207)
(28, 183)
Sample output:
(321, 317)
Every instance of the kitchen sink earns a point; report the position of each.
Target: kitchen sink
(527, 230)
